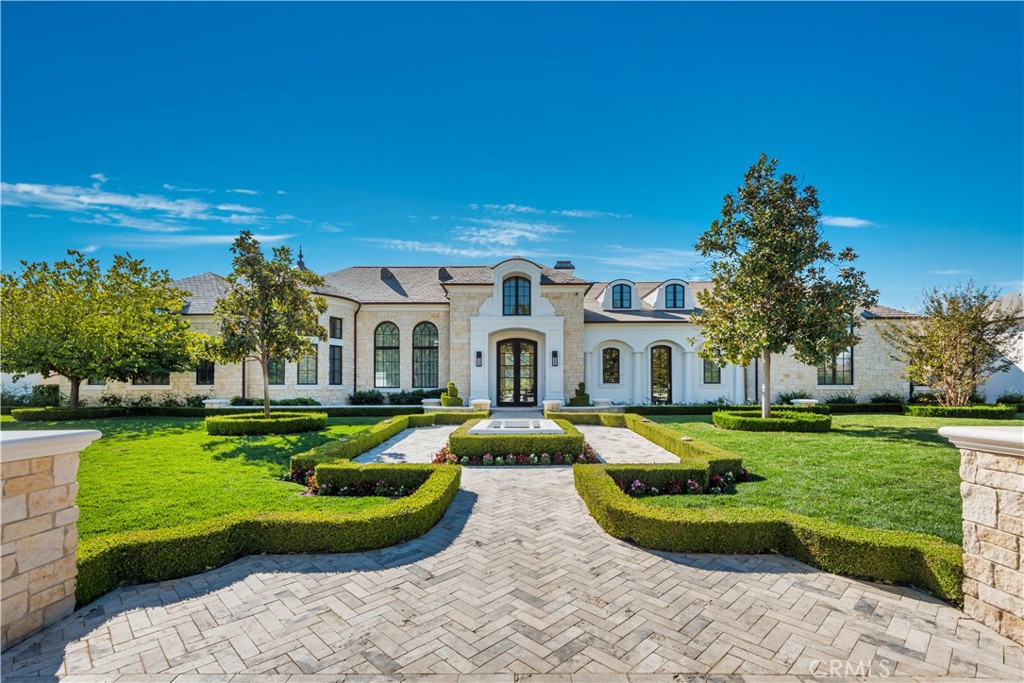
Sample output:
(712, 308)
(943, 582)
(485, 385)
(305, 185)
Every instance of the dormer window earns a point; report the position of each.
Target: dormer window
(516, 296)
(622, 296)
(675, 297)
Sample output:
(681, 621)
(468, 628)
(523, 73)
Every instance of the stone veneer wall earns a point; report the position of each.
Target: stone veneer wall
(39, 535)
(465, 302)
(992, 487)
(406, 317)
(569, 305)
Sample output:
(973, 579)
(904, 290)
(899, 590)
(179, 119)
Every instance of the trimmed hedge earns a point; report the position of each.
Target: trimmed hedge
(462, 443)
(65, 414)
(780, 421)
(875, 554)
(106, 562)
(346, 474)
(857, 408)
(346, 449)
(248, 424)
(995, 412)
(710, 408)
(336, 411)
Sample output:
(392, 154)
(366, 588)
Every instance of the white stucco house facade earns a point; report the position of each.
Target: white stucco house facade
(517, 333)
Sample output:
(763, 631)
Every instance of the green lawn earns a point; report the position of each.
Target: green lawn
(877, 471)
(148, 473)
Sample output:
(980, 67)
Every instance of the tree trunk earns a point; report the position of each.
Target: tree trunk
(766, 384)
(264, 366)
(73, 397)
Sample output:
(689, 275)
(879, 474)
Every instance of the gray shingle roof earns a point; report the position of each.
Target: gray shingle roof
(206, 288)
(593, 313)
(879, 312)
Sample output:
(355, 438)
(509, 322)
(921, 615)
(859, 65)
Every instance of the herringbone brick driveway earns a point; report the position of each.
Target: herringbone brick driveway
(517, 579)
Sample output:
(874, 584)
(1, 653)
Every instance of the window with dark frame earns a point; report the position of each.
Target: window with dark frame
(837, 370)
(153, 378)
(275, 371)
(516, 296)
(622, 296)
(712, 372)
(204, 372)
(334, 375)
(307, 368)
(424, 356)
(335, 325)
(675, 296)
(386, 356)
(97, 382)
(610, 366)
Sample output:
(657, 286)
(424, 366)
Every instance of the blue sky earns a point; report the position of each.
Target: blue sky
(464, 133)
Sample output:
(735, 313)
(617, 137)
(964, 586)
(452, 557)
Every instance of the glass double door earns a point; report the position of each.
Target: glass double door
(517, 372)
(661, 374)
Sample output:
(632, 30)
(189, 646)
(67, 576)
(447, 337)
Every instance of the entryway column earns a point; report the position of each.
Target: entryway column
(737, 383)
(638, 377)
(688, 376)
(588, 372)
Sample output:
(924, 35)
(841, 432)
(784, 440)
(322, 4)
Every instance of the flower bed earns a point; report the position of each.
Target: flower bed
(388, 481)
(445, 456)
(247, 424)
(646, 483)
(160, 554)
(780, 421)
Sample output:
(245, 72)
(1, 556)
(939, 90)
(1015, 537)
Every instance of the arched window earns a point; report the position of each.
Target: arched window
(674, 296)
(622, 296)
(424, 356)
(386, 356)
(516, 297)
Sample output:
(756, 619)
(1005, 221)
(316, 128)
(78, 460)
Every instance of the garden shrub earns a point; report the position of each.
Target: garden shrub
(879, 555)
(709, 408)
(44, 395)
(450, 398)
(981, 412)
(840, 400)
(462, 443)
(248, 424)
(1011, 397)
(54, 414)
(786, 396)
(852, 408)
(886, 398)
(780, 421)
(105, 562)
(370, 397)
(410, 477)
(250, 401)
(412, 398)
(581, 397)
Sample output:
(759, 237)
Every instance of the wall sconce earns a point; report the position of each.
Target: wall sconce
(479, 359)
(554, 359)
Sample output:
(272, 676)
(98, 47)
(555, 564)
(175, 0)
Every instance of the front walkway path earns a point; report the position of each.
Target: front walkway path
(516, 579)
(619, 446)
(409, 446)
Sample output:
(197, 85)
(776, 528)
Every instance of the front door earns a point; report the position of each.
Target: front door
(517, 372)
(661, 374)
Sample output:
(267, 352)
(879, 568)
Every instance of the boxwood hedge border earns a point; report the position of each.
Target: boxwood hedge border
(993, 412)
(108, 561)
(346, 449)
(879, 555)
(780, 421)
(462, 443)
(253, 424)
(55, 414)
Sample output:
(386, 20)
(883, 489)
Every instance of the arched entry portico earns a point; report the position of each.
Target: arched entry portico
(517, 376)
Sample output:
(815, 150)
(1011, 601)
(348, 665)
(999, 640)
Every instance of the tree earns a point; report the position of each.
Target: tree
(73, 320)
(772, 288)
(965, 335)
(270, 312)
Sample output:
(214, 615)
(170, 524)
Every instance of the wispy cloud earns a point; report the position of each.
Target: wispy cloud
(178, 188)
(508, 208)
(846, 222)
(242, 190)
(507, 232)
(238, 208)
(590, 213)
(280, 192)
(445, 249)
(950, 272)
(89, 249)
(330, 227)
(182, 241)
(120, 220)
(99, 178)
(647, 259)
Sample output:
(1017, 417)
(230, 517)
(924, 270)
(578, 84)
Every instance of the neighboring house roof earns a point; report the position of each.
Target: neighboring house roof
(1010, 301)
(205, 289)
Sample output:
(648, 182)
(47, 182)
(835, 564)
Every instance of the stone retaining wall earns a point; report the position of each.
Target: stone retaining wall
(38, 473)
(992, 487)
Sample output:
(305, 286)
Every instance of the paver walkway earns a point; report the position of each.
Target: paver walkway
(618, 445)
(516, 579)
(409, 446)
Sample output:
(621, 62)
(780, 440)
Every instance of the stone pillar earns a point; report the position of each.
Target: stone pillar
(588, 373)
(38, 470)
(638, 377)
(992, 487)
(737, 383)
(687, 377)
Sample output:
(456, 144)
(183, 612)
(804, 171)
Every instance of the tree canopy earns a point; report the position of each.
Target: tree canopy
(72, 319)
(964, 336)
(270, 312)
(776, 283)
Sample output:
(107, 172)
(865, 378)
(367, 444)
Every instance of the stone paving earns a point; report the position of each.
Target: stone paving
(517, 580)
(409, 446)
(618, 445)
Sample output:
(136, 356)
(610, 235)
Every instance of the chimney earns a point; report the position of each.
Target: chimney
(565, 265)
(386, 274)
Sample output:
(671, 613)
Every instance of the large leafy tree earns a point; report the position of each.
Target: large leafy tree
(965, 335)
(270, 311)
(72, 319)
(776, 283)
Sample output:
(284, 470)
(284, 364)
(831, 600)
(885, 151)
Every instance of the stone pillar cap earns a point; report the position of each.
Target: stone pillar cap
(21, 445)
(1002, 440)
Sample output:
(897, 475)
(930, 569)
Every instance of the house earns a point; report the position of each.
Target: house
(1011, 380)
(517, 333)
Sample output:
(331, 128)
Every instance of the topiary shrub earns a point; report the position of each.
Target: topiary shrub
(249, 424)
(370, 397)
(450, 398)
(996, 412)
(780, 421)
(582, 398)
